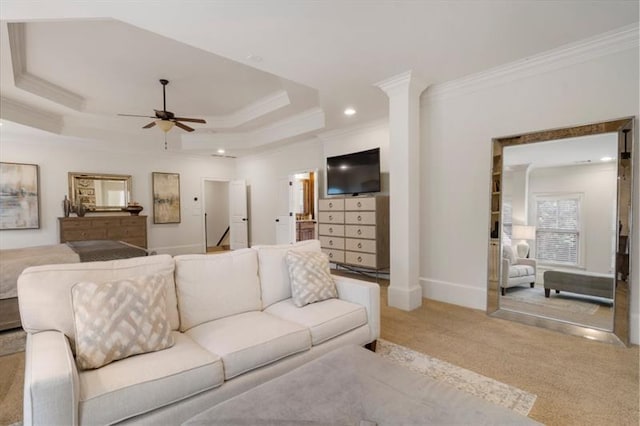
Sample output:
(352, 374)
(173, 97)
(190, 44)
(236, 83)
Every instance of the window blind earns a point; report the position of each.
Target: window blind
(557, 230)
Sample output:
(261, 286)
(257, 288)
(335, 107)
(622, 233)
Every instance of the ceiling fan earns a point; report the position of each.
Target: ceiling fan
(166, 119)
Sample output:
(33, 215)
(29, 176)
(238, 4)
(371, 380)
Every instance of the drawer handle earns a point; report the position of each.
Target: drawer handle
(359, 204)
(330, 217)
(330, 204)
(359, 245)
(331, 230)
(360, 259)
(359, 231)
(359, 218)
(331, 255)
(330, 242)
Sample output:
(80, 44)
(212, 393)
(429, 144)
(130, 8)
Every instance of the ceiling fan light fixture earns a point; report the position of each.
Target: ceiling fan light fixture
(165, 125)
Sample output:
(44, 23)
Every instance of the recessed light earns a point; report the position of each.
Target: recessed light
(221, 151)
(606, 159)
(349, 112)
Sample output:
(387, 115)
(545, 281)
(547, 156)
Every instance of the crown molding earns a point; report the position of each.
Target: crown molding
(31, 83)
(252, 111)
(609, 43)
(354, 130)
(29, 116)
(296, 125)
(406, 79)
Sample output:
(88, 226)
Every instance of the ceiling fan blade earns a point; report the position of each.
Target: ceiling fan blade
(190, 120)
(164, 115)
(135, 115)
(150, 125)
(184, 127)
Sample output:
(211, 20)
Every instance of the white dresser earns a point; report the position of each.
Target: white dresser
(355, 231)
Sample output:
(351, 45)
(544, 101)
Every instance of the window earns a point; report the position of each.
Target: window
(507, 217)
(558, 229)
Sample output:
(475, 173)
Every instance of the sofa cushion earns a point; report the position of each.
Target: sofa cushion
(250, 340)
(216, 286)
(325, 320)
(520, 271)
(274, 273)
(310, 277)
(118, 319)
(39, 285)
(142, 383)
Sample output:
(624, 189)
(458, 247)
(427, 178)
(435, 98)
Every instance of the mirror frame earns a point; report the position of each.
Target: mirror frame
(621, 311)
(73, 187)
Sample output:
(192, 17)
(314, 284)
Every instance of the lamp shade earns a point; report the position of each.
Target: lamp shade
(524, 232)
(165, 125)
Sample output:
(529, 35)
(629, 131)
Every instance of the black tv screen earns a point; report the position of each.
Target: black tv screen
(354, 173)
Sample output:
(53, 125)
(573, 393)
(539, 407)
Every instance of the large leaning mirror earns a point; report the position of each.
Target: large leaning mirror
(560, 229)
(100, 192)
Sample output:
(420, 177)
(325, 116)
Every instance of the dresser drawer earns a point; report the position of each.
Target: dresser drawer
(334, 255)
(331, 204)
(360, 218)
(331, 217)
(368, 246)
(331, 230)
(85, 234)
(360, 259)
(360, 204)
(125, 232)
(332, 242)
(137, 221)
(355, 231)
(88, 223)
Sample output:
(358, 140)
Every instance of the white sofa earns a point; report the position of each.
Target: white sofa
(234, 326)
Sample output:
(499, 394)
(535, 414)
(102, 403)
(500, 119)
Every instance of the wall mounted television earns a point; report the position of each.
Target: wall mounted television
(354, 173)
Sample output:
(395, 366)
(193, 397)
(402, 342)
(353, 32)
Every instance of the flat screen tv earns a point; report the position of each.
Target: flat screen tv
(354, 173)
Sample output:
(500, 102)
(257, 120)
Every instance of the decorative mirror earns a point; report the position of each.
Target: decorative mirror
(559, 247)
(100, 192)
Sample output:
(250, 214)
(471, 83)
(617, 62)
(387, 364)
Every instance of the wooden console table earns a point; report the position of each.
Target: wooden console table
(130, 229)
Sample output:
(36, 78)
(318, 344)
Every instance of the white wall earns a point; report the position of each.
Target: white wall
(596, 184)
(457, 125)
(57, 157)
(262, 173)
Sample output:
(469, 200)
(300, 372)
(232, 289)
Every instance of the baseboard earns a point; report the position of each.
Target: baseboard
(634, 328)
(177, 250)
(454, 293)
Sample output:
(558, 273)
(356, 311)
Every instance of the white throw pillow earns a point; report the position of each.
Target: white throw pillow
(310, 277)
(117, 319)
(509, 254)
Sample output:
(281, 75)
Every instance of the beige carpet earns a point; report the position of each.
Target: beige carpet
(462, 379)
(569, 307)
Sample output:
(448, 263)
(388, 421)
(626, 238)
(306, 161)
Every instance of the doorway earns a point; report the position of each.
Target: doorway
(216, 216)
(296, 217)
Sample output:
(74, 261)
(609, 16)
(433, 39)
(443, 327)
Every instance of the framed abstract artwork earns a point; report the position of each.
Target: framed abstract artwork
(19, 196)
(166, 197)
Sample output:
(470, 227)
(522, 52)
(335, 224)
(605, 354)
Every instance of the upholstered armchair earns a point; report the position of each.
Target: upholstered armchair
(516, 270)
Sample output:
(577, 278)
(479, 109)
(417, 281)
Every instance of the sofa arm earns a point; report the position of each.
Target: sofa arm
(51, 386)
(527, 261)
(363, 293)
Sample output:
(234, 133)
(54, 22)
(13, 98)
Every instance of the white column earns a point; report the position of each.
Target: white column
(404, 92)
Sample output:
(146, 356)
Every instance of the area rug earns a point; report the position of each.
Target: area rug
(465, 380)
(561, 302)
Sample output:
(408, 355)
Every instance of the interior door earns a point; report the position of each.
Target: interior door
(238, 220)
(285, 221)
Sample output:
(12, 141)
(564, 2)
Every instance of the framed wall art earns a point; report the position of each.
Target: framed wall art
(19, 196)
(166, 197)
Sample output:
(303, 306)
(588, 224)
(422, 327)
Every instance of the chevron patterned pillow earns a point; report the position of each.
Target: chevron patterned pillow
(117, 319)
(310, 277)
